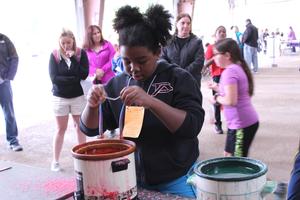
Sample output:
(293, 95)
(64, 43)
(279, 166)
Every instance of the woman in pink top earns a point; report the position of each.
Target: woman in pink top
(100, 53)
(234, 93)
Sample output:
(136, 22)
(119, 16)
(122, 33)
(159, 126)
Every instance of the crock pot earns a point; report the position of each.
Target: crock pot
(230, 178)
(105, 169)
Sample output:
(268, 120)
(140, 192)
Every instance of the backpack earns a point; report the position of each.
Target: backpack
(57, 56)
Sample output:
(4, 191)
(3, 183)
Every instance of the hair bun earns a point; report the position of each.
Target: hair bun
(127, 16)
(159, 20)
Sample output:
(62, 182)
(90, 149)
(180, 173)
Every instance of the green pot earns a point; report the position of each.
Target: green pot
(231, 178)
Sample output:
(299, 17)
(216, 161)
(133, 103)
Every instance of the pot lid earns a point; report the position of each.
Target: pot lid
(230, 169)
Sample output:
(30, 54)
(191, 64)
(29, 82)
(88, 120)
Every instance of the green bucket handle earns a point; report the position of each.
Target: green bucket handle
(268, 188)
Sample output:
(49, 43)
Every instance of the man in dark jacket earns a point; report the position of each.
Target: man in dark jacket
(294, 182)
(8, 67)
(185, 49)
(249, 40)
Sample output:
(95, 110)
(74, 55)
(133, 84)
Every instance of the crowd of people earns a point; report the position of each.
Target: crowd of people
(159, 72)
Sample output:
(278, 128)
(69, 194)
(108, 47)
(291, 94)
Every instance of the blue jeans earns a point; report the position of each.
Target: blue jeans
(8, 111)
(178, 187)
(250, 55)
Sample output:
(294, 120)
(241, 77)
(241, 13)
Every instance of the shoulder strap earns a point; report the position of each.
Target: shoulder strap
(78, 54)
(56, 55)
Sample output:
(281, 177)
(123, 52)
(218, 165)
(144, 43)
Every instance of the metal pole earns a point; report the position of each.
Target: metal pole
(273, 63)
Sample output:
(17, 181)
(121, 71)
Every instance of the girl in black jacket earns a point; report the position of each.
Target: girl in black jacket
(167, 146)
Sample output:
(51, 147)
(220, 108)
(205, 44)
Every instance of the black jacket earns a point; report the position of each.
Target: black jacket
(162, 156)
(250, 36)
(190, 57)
(65, 80)
(9, 59)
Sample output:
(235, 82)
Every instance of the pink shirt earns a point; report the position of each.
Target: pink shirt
(243, 113)
(102, 60)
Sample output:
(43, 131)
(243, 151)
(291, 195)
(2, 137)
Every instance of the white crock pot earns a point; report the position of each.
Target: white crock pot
(230, 178)
(105, 169)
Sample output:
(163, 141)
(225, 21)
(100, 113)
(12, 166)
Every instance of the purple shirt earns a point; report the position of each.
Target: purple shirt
(102, 60)
(243, 113)
(291, 35)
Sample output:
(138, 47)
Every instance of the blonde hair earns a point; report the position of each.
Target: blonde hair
(67, 33)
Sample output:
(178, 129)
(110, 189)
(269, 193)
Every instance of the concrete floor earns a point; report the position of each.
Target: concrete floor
(277, 94)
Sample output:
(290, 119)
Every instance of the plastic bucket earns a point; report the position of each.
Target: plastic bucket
(230, 178)
(105, 169)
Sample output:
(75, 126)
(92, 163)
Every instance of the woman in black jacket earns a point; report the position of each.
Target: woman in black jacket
(185, 49)
(68, 65)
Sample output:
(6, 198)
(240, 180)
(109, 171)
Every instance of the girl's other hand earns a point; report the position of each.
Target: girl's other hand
(213, 85)
(135, 96)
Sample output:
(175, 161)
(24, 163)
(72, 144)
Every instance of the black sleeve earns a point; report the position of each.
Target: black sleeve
(197, 65)
(83, 64)
(108, 122)
(188, 97)
(12, 58)
(164, 54)
(88, 131)
(245, 36)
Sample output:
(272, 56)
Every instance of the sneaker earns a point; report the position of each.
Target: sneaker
(218, 129)
(281, 189)
(16, 147)
(55, 166)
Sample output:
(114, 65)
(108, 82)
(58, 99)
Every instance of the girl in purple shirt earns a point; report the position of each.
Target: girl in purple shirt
(234, 93)
(100, 53)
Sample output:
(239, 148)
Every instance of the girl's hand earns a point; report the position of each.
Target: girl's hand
(212, 100)
(99, 74)
(96, 95)
(70, 53)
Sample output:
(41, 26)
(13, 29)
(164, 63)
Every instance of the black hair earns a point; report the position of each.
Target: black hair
(230, 46)
(150, 29)
(220, 27)
(248, 21)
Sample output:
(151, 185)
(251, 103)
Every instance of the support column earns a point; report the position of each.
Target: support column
(89, 12)
(79, 20)
(101, 13)
(185, 6)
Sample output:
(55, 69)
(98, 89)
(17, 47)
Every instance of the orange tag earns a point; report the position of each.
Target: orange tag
(134, 116)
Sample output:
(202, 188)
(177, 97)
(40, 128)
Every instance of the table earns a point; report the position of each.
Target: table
(25, 182)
